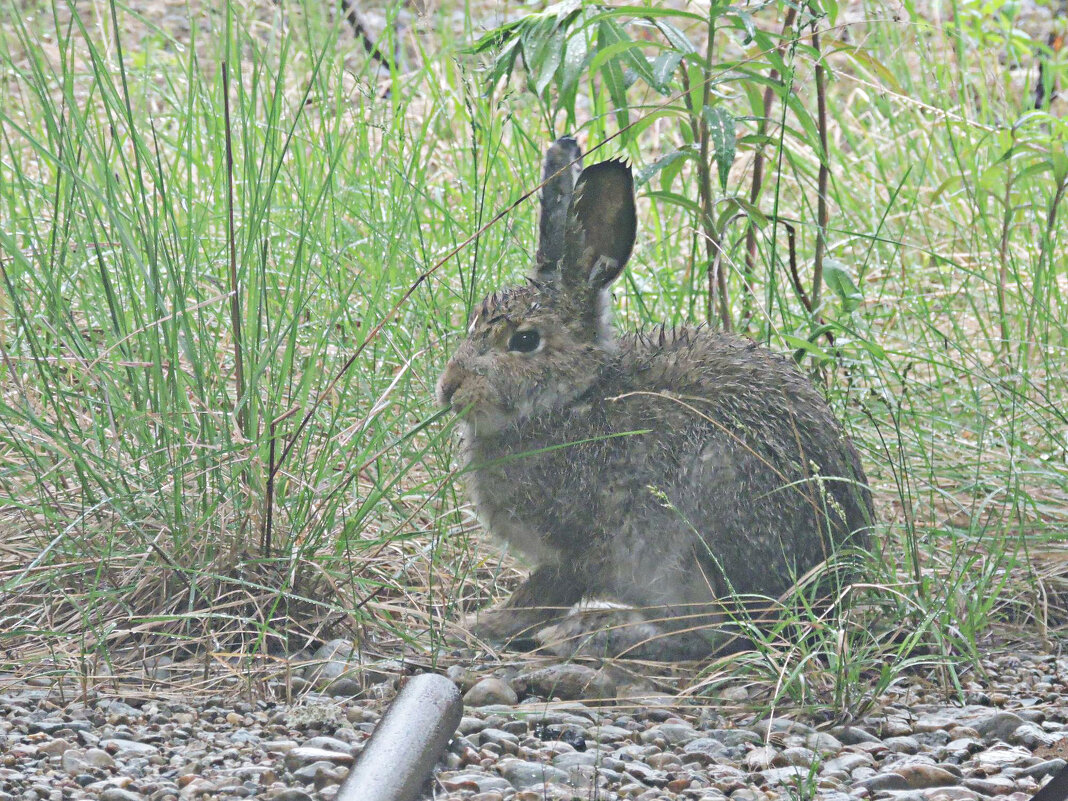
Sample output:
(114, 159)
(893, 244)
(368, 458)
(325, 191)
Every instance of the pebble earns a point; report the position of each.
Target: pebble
(490, 690)
(515, 743)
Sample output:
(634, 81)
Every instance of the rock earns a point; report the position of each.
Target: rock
(289, 794)
(474, 780)
(883, 782)
(823, 743)
(764, 728)
(794, 757)
(848, 762)
(735, 737)
(920, 776)
(935, 721)
(995, 759)
(303, 755)
(342, 686)
(99, 758)
(569, 682)
(711, 748)
(789, 776)
(1031, 736)
(760, 758)
(1043, 769)
(327, 744)
(902, 745)
(490, 690)
(677, 733)
(950, 794)
(994, 785)
(999, 726)
(119, 794)
(522, 775)
(53, 747)
(851, 735)
(198, 787)
(125, 749)
(73, 761)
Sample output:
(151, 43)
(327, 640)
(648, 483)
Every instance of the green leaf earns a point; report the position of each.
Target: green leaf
(734, 205)
(548, 59)
(669, 163)
(676, 199)
(676, 38)
(663, 68)
(721, 134)
(811, 348)
(837, 277)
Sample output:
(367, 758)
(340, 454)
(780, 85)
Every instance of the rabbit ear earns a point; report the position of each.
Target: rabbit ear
(601, 223)
(563, 163)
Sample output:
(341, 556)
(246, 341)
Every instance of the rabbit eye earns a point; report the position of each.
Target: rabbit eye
(525, 341)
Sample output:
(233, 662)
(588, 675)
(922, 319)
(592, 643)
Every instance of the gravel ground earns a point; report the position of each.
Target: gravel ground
(536, 731)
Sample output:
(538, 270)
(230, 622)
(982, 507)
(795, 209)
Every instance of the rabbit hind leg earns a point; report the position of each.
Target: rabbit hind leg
(668, 634)
(546, 596)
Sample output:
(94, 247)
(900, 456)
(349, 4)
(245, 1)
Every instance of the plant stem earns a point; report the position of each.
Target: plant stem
(824, 174)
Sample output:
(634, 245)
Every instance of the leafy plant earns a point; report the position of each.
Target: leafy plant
(643, 65)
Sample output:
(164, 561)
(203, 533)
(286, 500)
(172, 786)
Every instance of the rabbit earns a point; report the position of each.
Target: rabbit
(664, 470)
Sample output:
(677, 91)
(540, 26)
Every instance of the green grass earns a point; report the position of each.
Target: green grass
(138, 470)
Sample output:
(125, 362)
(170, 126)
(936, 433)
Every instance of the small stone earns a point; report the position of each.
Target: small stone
(679, 784)
(128, 748)
(477, 781)
(994, 785)
(764, 728)
(119, 794)
(199, 786)
(706, 746)
(522, 774)
(823, 743)
(760, 758)
(788, 776)
(950, 794)
(289, 794)
(677, 733)
(848, 762)
(999, 726)
(851, 735)
(303, 755)
(920, 776)
(1043, 769)
(328, 744)
(99, 758)
(73, 761)
(53, 747)
(569, 682)
(490, 690)
(902, 745)
(934, 722)
(884, 782)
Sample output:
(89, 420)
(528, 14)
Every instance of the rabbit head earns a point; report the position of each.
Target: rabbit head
(539, 347)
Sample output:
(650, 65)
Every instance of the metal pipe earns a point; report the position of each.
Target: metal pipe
(410, 738)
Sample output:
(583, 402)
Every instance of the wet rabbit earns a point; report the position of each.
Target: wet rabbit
(660, 470)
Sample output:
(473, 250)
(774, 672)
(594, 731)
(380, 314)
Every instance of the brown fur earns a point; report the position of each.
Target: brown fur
(663, 470)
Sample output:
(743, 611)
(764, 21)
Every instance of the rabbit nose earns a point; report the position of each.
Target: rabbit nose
(450, 381)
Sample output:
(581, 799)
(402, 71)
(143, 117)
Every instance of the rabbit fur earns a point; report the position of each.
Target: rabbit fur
(665, 470)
